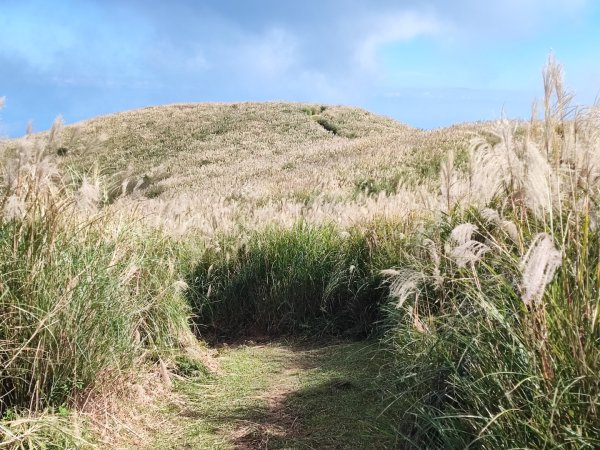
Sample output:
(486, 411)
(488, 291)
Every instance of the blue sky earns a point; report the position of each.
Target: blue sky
(427, 63)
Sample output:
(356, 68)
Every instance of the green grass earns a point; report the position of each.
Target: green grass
(287, 395)
(487, 371)
(467, 369)
(340, 403)
(304, 279)
(467, 361)
(72, 309)
(82, 299)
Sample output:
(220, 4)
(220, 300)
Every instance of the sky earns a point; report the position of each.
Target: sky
(427, 63)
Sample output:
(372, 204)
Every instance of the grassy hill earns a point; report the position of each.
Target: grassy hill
(471, 255)
(199, 164)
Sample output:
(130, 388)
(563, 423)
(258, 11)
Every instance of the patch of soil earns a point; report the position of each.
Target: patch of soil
(278, 422)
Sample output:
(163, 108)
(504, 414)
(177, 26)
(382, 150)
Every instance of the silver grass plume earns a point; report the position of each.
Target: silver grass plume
(404, 283)
(448, 180)
(537, 180)
(495, 167)
(462, 233)
(468, 252)
(538, 267)
(434, 255)
(490, 215)
(181, 286)
(54, 136)
(88, 196)
(509, 227)
(14, 208)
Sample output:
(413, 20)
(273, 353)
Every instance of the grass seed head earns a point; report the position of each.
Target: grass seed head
(463, 233)
(538, 267)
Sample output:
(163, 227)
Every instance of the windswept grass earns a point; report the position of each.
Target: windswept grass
(493, 325)
(492, 317)
(478, 265)
(82, 299)
(214, 169)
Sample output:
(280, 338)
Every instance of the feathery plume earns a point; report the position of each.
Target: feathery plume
(447, 181)
(462, 233)
(511, 229)
(468, 252)
(180, 286)
(537, 180)
(432, 250)
(55, 132)
(538, 267)
(403, 283)
(88, 196)
(14, 208)
(435, 258)
(490, 215)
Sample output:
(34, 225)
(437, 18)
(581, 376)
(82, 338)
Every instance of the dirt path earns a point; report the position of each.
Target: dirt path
(279, 421)
(280, 395)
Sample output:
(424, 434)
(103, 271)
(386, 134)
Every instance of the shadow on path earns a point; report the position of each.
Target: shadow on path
(286, 396)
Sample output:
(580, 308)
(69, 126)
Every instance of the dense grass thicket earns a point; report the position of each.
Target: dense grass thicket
(473, 363)
(478, 363)
(494, 326)
(82, 299)
(309, 278)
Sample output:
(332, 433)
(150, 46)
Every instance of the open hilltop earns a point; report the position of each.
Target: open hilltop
(214, 167)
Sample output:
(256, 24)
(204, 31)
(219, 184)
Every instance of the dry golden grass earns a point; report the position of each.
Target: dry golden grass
(224, 167)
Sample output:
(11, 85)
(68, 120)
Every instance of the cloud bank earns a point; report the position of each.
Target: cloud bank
(83, 58)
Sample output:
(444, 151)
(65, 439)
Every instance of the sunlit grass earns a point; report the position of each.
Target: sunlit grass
(474, 258)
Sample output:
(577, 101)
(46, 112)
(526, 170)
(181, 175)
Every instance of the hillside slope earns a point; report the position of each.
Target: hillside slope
(199, 165)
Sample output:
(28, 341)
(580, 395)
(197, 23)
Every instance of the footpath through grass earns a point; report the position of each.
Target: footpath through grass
(283, 395)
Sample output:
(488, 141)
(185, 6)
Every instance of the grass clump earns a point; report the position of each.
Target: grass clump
(282, 280)
(313, 110)
(480, 365)
(492, 321)
(328, 125)
(82, 297)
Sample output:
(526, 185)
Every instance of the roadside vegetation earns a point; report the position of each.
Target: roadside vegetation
(465, 261)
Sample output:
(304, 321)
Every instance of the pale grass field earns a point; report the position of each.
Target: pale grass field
(221, 168)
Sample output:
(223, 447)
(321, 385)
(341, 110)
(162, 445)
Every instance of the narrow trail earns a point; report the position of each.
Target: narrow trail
(282, 395)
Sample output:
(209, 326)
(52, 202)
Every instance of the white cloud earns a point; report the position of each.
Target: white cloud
(388, 29)
(506, 19)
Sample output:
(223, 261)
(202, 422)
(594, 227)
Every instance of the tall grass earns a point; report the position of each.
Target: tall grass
(488, 303)
(491, 316)
(308, 278)
(501, 348)
(82, 297)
